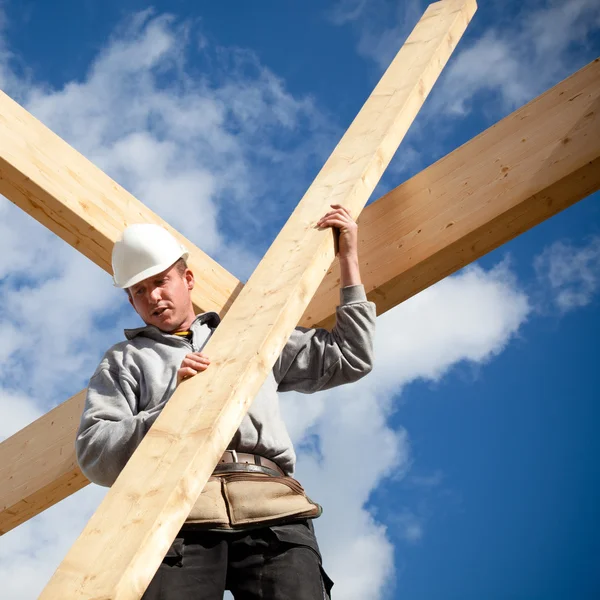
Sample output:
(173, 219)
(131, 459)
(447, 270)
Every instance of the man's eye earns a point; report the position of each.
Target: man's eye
(139, 292)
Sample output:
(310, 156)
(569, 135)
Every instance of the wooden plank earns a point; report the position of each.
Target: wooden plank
(124, 542)
(38, 466)
(72, 197)
(534, 163)
(534, 193)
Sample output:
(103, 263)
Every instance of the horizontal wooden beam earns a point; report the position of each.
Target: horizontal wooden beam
(531, 165)
(471, 189)
(124, 542)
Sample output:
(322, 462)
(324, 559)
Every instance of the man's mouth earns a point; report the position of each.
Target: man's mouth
(159, 311)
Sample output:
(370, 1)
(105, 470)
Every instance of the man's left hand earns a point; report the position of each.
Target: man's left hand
(341, 219)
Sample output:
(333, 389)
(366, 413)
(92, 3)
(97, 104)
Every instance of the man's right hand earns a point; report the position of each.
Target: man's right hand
(193, 363)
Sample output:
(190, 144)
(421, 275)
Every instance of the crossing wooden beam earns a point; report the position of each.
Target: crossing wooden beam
(68, 194)
(124, 542)
(534, 163)
(470, 186)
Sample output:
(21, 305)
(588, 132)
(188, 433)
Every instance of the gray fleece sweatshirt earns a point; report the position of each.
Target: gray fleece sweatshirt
(138, 376)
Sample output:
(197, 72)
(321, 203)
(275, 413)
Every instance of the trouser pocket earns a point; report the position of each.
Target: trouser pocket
(302, 535)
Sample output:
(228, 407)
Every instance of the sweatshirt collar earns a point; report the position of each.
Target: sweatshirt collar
(211, 319)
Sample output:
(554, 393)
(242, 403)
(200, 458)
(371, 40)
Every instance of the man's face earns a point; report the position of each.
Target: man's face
(164, 300)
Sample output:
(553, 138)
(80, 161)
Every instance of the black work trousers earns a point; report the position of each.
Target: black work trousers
(280, 562)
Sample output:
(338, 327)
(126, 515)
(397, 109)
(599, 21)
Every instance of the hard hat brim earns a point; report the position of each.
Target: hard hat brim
(149, 272)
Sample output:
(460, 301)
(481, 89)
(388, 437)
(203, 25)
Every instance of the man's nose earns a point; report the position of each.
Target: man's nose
(154, 295)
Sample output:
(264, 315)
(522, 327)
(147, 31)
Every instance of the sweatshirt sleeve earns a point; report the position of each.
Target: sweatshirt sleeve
(111, 428)
(317, 359)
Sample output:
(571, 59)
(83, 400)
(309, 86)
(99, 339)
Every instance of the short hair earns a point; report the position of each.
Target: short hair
(181, 266)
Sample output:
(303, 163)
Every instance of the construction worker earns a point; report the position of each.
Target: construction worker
(251, 529)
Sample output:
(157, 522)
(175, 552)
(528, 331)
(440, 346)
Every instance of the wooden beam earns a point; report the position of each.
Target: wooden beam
(38, 466)
(531, 165)
(464, 193)
(72, 197)
(124, 542)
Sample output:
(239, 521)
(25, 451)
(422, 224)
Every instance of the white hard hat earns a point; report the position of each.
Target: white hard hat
(144, 250)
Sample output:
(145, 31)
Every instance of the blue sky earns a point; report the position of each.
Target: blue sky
(465, 466)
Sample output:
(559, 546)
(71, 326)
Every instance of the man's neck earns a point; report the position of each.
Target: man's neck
(187, 323)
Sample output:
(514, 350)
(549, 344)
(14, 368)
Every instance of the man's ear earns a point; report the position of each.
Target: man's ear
(189, 279)
(130, 299)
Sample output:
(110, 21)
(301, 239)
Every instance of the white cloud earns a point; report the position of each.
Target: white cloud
(381, 25)
(491, 64)
(18, 410)
(411, 526)
(30, 553)
(425, 481)
(508, 56)
(345, 11)
(569, 276)
(444, 325)
(517, 57)
(515, 60)
(561, 23)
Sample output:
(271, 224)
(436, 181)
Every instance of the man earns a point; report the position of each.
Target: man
(251, 529)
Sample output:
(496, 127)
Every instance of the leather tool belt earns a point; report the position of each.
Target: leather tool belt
(246, 490)
(240, 462)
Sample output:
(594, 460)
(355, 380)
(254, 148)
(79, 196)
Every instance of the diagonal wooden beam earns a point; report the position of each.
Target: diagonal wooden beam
(72, 197)
(121, 547)
(468, 185)
(38, 466)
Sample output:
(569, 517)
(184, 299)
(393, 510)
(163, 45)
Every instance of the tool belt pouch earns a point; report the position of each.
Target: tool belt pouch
(241, 499)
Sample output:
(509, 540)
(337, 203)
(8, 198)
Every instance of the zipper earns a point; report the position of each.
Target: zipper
(182, 340)
(194, 347)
